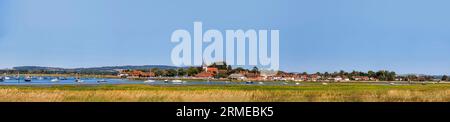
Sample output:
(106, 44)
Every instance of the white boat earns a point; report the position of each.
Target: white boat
(297, 83)
(5, 77)
(55, 80)
(177, 81)
(27, 79)
(149, 81)
(102, 81)
(40, 78)
(78, 80)
(18, 76)
(260, 83)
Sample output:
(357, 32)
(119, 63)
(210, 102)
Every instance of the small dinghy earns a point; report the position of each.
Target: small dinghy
(149, 81)
(55, 80)
(27, 79)
(102, 81)
(177, 81)
(78, 80)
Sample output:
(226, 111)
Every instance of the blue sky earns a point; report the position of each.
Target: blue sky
(407, 36)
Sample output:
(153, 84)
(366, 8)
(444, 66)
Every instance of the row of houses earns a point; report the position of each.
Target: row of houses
(212, 72)
(209, 72)
(135, 73)
(314, 77)
(297, 77)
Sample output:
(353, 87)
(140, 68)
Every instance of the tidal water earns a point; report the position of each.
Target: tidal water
(93, 81)
(68, 81)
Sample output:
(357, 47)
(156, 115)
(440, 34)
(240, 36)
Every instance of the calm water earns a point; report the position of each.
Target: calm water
(71, 80)
(48, 81)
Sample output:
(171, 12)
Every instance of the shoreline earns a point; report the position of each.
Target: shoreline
(211, 79)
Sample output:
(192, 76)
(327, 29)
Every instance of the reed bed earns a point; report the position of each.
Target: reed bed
(231, 93)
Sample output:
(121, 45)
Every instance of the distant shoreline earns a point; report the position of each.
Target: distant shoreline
(206, 79)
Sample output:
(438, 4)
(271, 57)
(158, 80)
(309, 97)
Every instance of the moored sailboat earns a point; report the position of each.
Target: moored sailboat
(102, 81)
(55, 80)
(149, 81)
(27, 78)
(78, 79)
(3, 78)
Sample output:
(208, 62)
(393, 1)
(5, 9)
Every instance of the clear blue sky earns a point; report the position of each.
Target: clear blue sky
(407, 36)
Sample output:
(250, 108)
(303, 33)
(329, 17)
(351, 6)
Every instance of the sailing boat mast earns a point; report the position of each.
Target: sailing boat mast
(18, 76)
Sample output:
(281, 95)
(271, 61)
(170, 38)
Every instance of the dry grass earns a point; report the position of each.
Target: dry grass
(145, 93)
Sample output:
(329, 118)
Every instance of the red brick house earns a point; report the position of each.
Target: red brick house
(205, 75)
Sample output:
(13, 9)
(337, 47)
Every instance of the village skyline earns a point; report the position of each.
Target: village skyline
(166, 68)
(243, 67)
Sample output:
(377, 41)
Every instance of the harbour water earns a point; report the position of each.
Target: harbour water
(68, 81)
(94, 81)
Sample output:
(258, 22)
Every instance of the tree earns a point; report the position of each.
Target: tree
(181, 72)
(341, 73)
(385, 75)
(222, 67)
(157, 71)
(229, 68)
(444, 78)
(222, 75)
(411, 78)
(326, 74)
(318, 73)
(191, 71)
(370, 73)
(170, 72)
(381, 75)
(304, 73)
(237, 70)
(255, 70)
(391, 76)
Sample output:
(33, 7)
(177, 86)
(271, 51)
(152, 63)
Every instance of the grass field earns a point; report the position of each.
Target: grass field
(313, 92)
